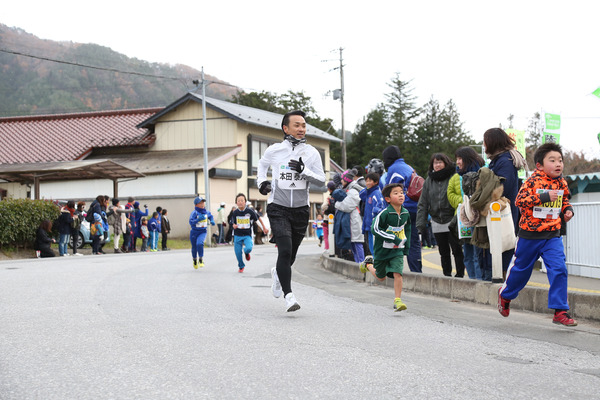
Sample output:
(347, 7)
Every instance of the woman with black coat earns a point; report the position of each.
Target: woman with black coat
(434, 202)
(43, 241)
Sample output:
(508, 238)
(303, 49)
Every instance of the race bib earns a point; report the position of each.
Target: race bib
(290, 179)
(243, 222)
(202, 223)
(398, 232)
(550, 210)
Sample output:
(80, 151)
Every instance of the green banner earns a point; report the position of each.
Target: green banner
(548, 137)
(553, 122)
(596, 92)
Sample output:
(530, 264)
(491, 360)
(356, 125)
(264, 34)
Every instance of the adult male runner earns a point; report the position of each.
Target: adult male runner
(294, 165)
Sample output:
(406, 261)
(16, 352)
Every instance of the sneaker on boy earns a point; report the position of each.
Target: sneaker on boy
(503, 305)
(399, 305)
(562, 317)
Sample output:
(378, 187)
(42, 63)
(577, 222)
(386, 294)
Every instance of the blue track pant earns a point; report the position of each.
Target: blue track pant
(527, 252)
(197, 240)
(239, 243)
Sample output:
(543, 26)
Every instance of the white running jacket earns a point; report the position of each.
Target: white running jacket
(289, 188)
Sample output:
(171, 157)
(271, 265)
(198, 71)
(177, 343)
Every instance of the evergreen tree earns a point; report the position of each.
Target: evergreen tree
(370, 137)
(402, 112)
(437, 131)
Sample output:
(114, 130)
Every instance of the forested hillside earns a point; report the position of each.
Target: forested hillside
(32, 84)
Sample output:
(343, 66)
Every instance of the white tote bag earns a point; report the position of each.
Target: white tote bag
(507, 231)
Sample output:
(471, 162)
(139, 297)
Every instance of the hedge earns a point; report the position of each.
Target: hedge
(20, 219)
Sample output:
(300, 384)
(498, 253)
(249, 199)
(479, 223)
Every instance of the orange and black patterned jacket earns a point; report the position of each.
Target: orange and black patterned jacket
(528, 198)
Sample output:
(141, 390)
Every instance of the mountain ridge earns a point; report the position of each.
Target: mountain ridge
(43, 77)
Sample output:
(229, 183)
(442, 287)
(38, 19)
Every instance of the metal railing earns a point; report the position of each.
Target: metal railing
(582, 242)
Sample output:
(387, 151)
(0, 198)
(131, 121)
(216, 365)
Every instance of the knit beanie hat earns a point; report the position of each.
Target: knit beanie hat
(331, 185)
(348, 175)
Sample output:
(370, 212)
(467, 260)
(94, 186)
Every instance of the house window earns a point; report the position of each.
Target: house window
(258, 146)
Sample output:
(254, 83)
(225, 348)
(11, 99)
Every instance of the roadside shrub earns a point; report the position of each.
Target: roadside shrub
(21, 219)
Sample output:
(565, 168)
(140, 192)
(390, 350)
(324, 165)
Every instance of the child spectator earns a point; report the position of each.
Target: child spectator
(199, 219)
(350, 205)
(97, 233)
(165, 229)
(144, 233)
(242, 220)
(374, 203)
(542, 199)
(391, 241)
(153, 228)
(318, 227)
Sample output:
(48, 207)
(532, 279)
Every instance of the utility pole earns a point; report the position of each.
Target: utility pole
(205, 145)
(344, 163)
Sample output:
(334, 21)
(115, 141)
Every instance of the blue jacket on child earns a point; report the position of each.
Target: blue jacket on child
(199, 219)
(374, 204)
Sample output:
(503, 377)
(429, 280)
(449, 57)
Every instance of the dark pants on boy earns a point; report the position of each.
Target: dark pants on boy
(95, 244)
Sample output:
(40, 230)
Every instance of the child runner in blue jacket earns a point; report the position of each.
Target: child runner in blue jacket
(199, 219)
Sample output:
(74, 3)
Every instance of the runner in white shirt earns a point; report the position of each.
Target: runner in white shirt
(294, 166)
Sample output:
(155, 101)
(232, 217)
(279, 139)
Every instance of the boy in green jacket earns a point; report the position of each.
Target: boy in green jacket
(391, 240)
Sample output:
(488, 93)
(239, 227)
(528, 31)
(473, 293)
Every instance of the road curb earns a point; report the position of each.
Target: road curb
(583, 305)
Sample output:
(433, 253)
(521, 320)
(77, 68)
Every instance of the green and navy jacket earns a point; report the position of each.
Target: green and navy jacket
(391, 233)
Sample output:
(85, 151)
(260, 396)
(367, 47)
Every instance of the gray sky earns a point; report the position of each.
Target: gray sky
(491, 58)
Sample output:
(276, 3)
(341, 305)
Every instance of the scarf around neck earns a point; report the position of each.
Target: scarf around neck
(443, 174)
(295, 142)
(516, 158)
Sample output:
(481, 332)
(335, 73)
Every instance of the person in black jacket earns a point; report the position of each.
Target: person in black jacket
(165, 229)
(64, 222)
(43, 240)
(229, 234)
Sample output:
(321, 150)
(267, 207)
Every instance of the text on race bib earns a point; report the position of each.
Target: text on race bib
(243, 222)
(399, 233)
(290, 180)
(549, 210)
(202, 223)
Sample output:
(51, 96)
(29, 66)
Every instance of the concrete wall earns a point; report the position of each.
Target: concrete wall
(583, 305)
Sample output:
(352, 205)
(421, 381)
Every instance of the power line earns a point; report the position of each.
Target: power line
(107, 69)
(88, 66)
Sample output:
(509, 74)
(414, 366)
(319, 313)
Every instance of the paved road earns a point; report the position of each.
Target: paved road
(149, 326)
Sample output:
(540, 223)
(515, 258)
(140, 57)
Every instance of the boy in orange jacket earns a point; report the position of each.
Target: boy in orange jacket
(541, 200)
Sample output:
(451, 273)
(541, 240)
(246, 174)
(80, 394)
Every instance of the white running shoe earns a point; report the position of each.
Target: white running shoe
(291, 303)
(275, 286)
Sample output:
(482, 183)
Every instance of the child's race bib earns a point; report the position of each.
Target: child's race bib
(290, 179)
(202, 223)
(243, 222)
(399, 232)
(550, 210)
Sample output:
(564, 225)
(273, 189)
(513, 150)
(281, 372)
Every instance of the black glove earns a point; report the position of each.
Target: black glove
(297, 166)
(265, 188)
(145, 205)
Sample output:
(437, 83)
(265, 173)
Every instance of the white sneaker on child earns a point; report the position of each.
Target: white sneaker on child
(275, 286)
(291, 303)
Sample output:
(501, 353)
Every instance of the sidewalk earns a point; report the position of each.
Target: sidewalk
(432, 265)
(584, 293)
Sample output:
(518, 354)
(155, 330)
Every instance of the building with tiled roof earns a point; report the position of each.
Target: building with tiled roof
(164, 146)
(68, 137)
